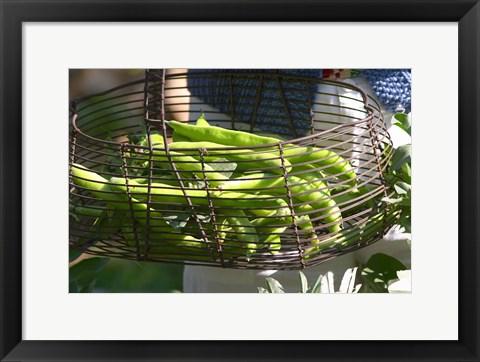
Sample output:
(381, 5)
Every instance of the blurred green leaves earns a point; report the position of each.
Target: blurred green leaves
(82, 277)
(379, 272)
(111, 275)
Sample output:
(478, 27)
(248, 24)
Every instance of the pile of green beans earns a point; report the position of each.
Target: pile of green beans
(215, 192)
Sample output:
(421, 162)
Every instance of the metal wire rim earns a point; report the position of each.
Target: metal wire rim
(291, 258)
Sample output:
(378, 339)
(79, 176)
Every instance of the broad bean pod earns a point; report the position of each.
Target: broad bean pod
(262, 206)
(270, 231)
(304, 192)
(160, 247)
(101, 188)
(246, 159)
(190, 164)
(329, 160)
(244, 230)
(372, 227)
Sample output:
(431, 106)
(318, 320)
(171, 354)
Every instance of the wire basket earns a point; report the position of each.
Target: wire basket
(311, 192)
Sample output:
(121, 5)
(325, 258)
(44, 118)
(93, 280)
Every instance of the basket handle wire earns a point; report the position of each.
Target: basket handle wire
(130, 203)
(151, 76)
(213, 216)
(291, 207)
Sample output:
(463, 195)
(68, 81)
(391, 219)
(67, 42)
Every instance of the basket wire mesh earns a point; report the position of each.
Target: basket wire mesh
(153, 201)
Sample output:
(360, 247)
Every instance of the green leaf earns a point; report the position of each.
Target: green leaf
(74, 216)
(262, 290)
(402, 188)
(403, 284)
(389, 200)
(74, 254)
(401, 156)
(407, 173)
(177, 220)
(273, 286)
(200, 185)
(378, 272)
(317, 287)
(347, 284)
(303, 281)
(405, 220)
(73, 287)
(82, 276)
(136, 138)
(403, 121)
(204, 218)
(223, 166)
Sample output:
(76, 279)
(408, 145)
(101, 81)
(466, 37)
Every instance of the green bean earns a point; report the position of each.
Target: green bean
(373, 226)
(247, 159)
(229, 247)
(102, 189)
(87, 210)
(337, 166)
(302, 191)
(264, 182)
(318, 200)
(190, 164)
(177, 137)
(170, 180)
(192, 227)
(262, 206)
(254, 182)
(346, 198)
(184, 163)
(244, 230)
(273, 240)
(303, 221)
(161, 247)
(201, 121)
(270, 231)
(276, 227)
(220, 135)
(313, 176)
(316, 157)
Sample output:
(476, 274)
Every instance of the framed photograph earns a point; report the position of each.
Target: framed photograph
(143, 132)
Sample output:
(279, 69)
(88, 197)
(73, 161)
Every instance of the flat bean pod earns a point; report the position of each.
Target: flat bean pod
(220, 135)
(244, 230)
(335, 165)
(270, 231)
(312, 175)
(102, 189)
(246, 159)
(262, 206)
(369, 229)
(254, 182)
(304, 192)
(190, 164)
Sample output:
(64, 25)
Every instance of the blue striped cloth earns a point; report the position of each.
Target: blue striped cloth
(282, 105)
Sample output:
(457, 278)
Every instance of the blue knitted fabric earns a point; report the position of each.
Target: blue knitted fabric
(392, 87)
(273, 104)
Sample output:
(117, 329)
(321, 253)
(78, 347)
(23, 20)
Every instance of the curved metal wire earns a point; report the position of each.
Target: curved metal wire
(164, 211)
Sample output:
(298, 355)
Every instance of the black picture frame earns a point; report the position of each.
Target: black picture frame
(14, 13)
